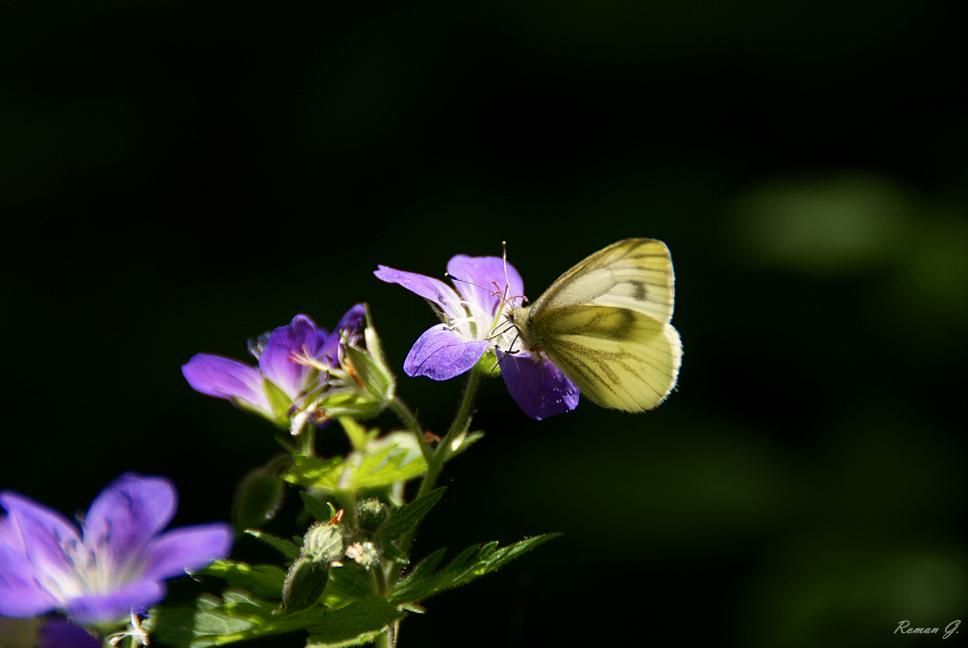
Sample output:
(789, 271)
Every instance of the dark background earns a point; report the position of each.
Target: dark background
(177, 178)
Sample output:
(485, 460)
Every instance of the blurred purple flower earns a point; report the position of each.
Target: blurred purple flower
(292, 363)
(115, 564)
(61, 634)
(474, 315)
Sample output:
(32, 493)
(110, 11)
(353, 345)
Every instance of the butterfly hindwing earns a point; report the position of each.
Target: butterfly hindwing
(618, 357)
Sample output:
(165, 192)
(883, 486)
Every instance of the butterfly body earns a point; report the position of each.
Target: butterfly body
(606, 324)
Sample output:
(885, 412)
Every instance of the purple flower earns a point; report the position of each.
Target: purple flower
(296, 363)
(117, 562)
(61, 634)
(474, 320)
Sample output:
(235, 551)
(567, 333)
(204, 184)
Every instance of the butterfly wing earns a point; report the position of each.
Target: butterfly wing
(618, 357)
(635, 274)
(605, 323)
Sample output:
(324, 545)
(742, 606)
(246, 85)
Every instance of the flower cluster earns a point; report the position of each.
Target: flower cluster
(300, 367)
(112, 567)
(474, 321)
(116, 562)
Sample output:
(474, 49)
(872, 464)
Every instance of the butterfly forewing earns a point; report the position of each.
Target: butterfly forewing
(633, 273)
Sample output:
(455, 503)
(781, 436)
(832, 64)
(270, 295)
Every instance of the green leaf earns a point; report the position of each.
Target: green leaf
(215, 622)
(264, 581)
(287, 548)
(463, 441)
(322, 511)
(472, 563)
(279, 402)
(209, 623)
(387, 461)
(354, 624)
(347, 583)
(409, 515)
(372, 339)
(357, 434)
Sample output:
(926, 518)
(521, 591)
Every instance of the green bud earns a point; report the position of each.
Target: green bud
(372, 513)
(359, 404)
(375, 377)
(323, 543)
(257, 499)
(304, 583)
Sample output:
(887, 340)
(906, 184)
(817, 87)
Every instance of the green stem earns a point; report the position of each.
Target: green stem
(408, 418)
(438, 458)
(462, 421)
(307, 440)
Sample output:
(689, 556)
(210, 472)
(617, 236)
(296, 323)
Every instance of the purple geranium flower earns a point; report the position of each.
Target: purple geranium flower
(296, 362)
(474, 315)
(116, 563)
(61, 634)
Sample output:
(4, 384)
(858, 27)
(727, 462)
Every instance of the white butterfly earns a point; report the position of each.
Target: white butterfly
(606, 324)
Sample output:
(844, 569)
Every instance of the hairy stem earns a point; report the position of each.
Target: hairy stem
(408, 418)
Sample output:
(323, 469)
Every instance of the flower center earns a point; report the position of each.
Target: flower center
(92, 570)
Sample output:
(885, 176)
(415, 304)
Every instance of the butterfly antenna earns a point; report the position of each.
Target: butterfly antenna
(507, 353)
(447, 275)
(497, 334)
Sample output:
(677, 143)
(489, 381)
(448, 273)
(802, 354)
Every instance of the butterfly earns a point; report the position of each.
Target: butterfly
(606, 324)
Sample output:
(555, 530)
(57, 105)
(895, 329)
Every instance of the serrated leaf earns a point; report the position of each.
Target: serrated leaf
(215, 622)
(287, 548)
(410, 514)
(347, 583)
(264, 581)
(354, 624)
(472, 563)
(385, 463)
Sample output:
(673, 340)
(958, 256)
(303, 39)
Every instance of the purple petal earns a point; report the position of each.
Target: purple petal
(481, 280)
(300, 337)
(61, 634)
(20, 594)
(187, 548)
(10, 535)
(352, 323)
(427, 287)
(115, 605)
(40, 533)
(127, 514)
(537, 385)
(441, 354)
(220, 377)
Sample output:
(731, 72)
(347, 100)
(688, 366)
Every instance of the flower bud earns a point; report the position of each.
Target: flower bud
(257, 499)
(304, 583)
(370, 374)
(372, 513)
(323, 543)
